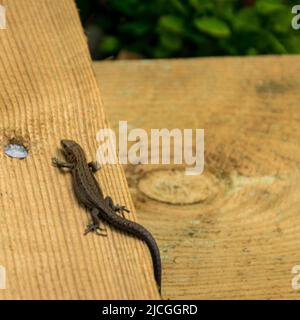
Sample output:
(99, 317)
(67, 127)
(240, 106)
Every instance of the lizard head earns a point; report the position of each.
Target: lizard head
(70, 149)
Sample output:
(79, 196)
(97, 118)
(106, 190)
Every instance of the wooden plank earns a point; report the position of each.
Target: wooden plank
(48, 91)
(238, 234)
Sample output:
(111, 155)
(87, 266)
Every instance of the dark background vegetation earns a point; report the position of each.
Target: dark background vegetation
(188, 28)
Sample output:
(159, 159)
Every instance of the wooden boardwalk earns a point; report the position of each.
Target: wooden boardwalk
(237, 236)
(48, 91)
(232, 232)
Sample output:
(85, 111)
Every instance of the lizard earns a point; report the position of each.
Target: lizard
(90, 195)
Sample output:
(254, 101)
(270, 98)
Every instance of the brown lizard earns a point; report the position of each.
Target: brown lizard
(89, 194)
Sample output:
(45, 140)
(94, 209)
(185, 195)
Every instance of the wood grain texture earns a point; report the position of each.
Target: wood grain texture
(238, 234)
(48, 91)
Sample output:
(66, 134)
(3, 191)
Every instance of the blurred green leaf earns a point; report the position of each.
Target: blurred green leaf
(171, 23)
(201, 5)
(267, 7)
(213, 26)
(272, 42)
(292, 43)
(251, 52)
(109, 44)
(161, 52)
(281, 21)
(246, 20)
(170, 41)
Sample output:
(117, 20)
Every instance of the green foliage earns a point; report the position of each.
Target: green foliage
(268, 7)
(185, 28)
(110, 44)
(246, 20)
(171, 24)
(212, 26)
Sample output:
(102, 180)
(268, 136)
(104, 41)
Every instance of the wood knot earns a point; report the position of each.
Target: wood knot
(174, 187)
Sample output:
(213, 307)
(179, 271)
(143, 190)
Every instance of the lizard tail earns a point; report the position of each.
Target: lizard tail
(143, 234)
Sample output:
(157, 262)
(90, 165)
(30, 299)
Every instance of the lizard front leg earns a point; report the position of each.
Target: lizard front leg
(61, 164)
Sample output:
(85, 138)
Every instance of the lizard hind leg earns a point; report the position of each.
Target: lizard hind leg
(115, 207)
(94, 226)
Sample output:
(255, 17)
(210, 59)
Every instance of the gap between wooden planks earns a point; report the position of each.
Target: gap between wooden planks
(48, 91)
(237, 234)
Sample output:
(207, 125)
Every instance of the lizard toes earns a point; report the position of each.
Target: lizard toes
(98, 233)
(125, 209)
(54, 161)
